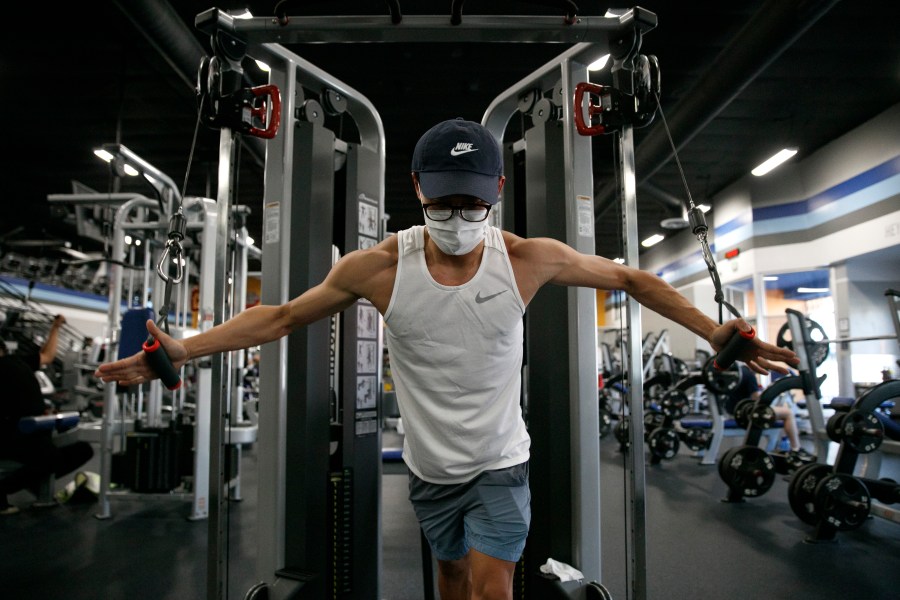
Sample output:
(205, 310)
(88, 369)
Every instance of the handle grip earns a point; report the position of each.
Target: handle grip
(583, 125)
(735, 346)
(272, 121)
(161, 364)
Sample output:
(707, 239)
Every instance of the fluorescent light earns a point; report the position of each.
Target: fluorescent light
(599, 63)
(103, 154)
(773, 162)
(770, 278)
(806, 290)
(652, 240)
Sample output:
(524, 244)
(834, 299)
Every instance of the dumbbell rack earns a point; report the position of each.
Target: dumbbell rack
(831, 497)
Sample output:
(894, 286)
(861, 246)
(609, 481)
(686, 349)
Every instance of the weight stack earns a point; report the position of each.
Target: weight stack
(141, 455)
(152, 460)
(341, 489)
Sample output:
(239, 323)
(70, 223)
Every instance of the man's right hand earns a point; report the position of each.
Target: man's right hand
(135, 369)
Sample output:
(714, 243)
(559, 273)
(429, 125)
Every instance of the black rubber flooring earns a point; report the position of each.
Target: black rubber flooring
(698, 546)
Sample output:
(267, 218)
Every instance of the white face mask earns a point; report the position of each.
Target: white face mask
(455, 236)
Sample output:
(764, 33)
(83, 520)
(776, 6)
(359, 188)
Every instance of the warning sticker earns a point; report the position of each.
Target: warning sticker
(585, 215)
(271, 232)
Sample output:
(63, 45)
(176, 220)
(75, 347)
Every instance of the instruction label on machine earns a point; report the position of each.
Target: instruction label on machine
(367, 366)
(585, 206)
(272, 216)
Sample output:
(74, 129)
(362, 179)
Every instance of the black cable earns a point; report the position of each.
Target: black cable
(698, 226)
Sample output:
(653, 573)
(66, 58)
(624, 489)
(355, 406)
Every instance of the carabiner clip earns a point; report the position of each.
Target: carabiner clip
(176, 258)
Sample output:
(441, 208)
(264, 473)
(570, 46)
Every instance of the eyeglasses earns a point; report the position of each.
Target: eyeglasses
(474, 213)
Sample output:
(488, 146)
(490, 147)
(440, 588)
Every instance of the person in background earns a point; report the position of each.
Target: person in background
(22, 397)
(453, 293)
(749, 387)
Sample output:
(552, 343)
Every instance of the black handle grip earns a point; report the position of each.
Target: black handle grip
(735, 345)
(161, 365)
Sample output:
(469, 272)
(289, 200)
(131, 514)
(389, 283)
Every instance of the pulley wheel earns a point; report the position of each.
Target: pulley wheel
(843, 501)
(748, 470)
(311, 111)
(334, 102)
(802, 491)
(544, 111)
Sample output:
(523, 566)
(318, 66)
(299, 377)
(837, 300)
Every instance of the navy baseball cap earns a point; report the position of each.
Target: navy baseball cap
(458, 157)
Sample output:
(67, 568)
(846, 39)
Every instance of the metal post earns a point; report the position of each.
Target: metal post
(217, 538)
(637, 549)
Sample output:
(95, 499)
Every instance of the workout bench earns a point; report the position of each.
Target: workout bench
(60, 423)
(722, 427)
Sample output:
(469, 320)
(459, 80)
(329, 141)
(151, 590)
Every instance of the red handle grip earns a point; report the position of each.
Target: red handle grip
(584, 127)
(263, 115)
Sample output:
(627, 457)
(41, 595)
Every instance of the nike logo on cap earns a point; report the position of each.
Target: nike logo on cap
(479, 298)
(462, 148)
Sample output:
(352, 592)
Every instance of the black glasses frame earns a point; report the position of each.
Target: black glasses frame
(458, 210)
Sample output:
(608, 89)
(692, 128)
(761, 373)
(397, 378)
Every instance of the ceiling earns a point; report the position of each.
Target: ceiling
(739, 80)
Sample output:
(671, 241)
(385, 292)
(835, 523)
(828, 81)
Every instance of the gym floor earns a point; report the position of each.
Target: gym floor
(697, 547)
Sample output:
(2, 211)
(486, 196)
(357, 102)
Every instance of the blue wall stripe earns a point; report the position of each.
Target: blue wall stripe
(865, 189)
(866, 179)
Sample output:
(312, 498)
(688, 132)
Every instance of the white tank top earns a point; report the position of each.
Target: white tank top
(456, 361)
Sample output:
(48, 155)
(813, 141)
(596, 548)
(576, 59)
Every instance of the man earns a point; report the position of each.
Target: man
(453, 293)
(22, 397)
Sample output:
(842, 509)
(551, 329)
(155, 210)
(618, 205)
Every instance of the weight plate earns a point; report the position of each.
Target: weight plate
(817, 348)
(833, 427)
(696, 439)
(749, 470)
(862, 431)
(724, 459)
(742, 412)
(762, 416)
(802, 491)
(722, 381)
(652, 420)
(843, 501)
(664, 443)
(675, 404)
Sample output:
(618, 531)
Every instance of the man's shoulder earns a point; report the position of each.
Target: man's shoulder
(383, 253)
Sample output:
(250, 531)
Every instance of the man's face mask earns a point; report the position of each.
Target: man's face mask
(455, 236)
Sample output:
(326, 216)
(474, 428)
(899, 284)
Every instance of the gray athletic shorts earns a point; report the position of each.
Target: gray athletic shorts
(491, 514)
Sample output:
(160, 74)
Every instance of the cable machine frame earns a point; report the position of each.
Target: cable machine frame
(256, 34)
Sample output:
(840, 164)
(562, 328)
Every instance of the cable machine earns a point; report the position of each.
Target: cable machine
(301, 210)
